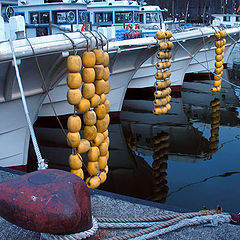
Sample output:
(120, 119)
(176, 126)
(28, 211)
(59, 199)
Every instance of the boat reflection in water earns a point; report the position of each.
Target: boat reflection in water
(186, 158)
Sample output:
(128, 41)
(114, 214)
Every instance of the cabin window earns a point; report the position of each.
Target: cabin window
(226, 18)
(138, 17)
(104, 18)
(39, 17)
(83, 17)
(237, 18)
(121, 17)
(64, 17)
(152, 18)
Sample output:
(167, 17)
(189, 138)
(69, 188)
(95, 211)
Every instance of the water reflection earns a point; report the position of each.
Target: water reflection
(187, 158)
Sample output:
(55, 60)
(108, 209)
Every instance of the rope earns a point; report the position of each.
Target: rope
(213, 220)
(76, 236)
(203, 65)
(162, 225)
(41, 163)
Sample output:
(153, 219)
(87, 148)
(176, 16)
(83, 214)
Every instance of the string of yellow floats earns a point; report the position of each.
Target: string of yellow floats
(219, 64)
(162, 84)
(90, 101)
(215, 123)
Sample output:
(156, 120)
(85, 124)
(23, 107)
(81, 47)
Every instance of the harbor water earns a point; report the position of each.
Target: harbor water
(187, 158)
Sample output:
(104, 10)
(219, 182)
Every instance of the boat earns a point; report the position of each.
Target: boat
(51, 52)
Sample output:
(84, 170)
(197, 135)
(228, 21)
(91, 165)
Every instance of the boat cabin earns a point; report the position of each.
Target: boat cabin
(228, 20)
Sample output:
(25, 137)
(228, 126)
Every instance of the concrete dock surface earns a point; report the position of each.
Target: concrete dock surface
(105, 204)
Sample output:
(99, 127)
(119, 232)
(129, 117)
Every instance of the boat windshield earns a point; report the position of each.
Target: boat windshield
(138, 17)
(64, 17)
(121, 17)
(83, 17)
(39, 17)
(152, 17)
(103, 18)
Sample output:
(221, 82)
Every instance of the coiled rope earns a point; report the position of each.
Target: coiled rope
(41, 162)
(234, 85)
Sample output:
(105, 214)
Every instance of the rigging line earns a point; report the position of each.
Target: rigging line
(227, 174)
(41, 162)
(234, 85)
(46, 88)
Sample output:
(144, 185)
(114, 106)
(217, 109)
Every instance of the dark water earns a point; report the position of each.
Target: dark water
(187, 158)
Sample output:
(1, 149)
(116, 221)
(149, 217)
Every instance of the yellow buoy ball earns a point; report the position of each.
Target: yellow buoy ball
(106, 74)
(100, 111)
(83, 106)
(107, 87)
(217, 83)
(102, 125)
(170, 45)
(168, 34)
(99, 72)
(223, 33)
(158, 94)
(74, 96)
(74, 63)
(103, 162)
(159, 75)
(218, 58)
(103, 148)
(163, 45)
(90, 132)
(88, 75)
(98, 140)
(93, 182)
(105, 59)
(88, 90)
(107, 105)
(218, 43)
(107, 140)
(102, 176)
(99, 56)
(168, 106)
(74, 80)
(160, 35)
(217, 35)
(100, 86)
(218, 70)
(89, 118)
(83, 146)
(78, 172)
(93, 168)
(224, 41)
(75, 161)
(74, 123)
(95, 100)
(159, 65)
(218, 51)
(88, 59)
(159, 85)
(157, 111)
(160, 55)
(218, 64)
(223, 48)
(103, 98)
(73, 139)
(105, 134)
(93, 154)
(214, 89)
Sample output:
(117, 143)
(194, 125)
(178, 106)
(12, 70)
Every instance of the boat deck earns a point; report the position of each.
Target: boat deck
(105, 204)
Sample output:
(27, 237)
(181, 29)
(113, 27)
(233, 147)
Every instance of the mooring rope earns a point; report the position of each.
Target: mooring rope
(41, 162)
(76, 236)
(234, 85)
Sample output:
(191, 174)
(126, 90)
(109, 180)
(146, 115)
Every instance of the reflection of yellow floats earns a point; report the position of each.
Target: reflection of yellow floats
(162, 93)
(220, 48)
(215, 123)
(159, 165)
(92, 103)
